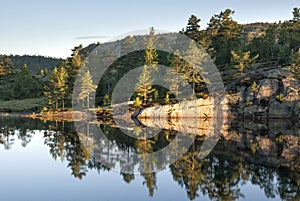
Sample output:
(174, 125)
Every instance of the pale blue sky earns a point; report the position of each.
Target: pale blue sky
(51, 28)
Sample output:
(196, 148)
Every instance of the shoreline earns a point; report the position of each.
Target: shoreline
(80, 116)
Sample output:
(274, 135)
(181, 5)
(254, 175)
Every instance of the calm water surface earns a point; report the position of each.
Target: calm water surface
(47, 161)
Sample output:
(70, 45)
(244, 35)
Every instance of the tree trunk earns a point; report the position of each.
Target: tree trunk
(88, 102)
(63, 103)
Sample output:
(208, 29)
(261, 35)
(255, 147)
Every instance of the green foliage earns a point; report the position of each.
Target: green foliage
(224, 32)
(144, 86)
(254, 87)
(193, 28)
(106, 100)
(295, 65)
(280, 97)
(87, 86)
(254, 147)
(6, 66)
(192, 69)
(138, 102)
(176, 70)
(296, 14)
(35, 63)
(242, 62)
(56, 90)
(26, 85)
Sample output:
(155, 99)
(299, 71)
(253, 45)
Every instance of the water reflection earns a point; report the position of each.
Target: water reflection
(263, 154)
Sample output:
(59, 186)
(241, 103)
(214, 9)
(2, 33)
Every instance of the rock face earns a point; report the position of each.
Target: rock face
(268, 92)
(200, 108)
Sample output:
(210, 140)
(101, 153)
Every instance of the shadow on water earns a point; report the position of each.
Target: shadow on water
(263, 153)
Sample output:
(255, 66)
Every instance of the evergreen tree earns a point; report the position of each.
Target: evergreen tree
(194, 58)
(6, 66)
(144, 86)
(26, 85)
(73, 65)
(193, 28)
(87, 87)
(242, 62)
(296, 14)
(57, 88)
(224, 32)
(61, 85)
(49, 89)
(174, 73)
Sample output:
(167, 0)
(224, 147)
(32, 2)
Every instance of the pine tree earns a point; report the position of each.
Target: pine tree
(242, 62)
(296, 14)
(6, 66)
(73, 65)
(50, 92)
(61, 85)
(57, 88)
(193, 28)
(174, 73)
(87, 87)
(224, 32)
(144, 86)
(194, 58)
(6, 74)
(26, 85)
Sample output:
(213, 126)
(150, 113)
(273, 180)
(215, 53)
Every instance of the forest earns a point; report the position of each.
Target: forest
(235, 48)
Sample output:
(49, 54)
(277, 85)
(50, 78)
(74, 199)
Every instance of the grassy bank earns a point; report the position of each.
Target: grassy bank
(26, 105)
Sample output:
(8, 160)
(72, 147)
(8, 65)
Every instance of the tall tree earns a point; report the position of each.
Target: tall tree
(50, 92)
(73, 65)
(87, 87)
(56, 90)
(296, 14)
(173, 74)
(144, 86)
(61, 84)
(194, 57)
(224, 32)
(193, 28)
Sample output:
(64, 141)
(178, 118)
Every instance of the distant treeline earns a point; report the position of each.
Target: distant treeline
(35, 63)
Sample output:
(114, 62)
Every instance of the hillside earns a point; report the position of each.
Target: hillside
(35, 63)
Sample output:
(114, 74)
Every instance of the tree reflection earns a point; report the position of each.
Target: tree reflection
(65, 144)
(274, 166)
(13, 128)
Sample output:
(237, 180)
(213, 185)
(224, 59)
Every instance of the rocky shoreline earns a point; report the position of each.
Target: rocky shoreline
(262, 93)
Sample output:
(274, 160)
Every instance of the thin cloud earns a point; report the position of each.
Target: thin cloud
(91, 37)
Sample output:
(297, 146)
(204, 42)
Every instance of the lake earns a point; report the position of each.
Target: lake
(44, 160)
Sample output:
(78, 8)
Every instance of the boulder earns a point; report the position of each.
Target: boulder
(282, 110)
(267, 88)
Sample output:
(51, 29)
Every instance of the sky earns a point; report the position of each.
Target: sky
(53, 28)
